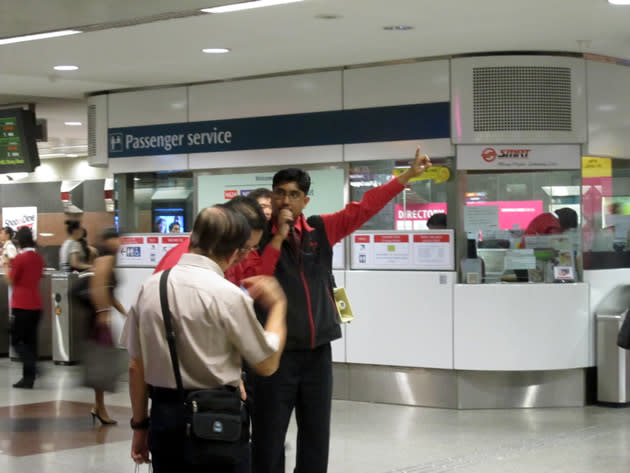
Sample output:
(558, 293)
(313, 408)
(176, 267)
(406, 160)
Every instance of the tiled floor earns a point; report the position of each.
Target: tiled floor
(48, 429)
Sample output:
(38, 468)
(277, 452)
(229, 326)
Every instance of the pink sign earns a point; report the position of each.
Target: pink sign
(416, 215)
(515, 214)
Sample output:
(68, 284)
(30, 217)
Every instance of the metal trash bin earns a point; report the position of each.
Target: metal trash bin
(613, 379)
(69, 317)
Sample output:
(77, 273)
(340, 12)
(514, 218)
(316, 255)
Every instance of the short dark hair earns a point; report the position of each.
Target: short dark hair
(567, 217)
(72, 225)
(250, 209)
(170, 227)
(261, 192)
(218, 231)
(437, 221)
(109, 233)
(9, 231)
(299, 176)
(24, 238)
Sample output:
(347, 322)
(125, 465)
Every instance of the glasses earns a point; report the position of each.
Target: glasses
(282, 194)
(248, 249)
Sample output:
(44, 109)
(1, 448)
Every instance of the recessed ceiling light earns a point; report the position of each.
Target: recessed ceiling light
(398, 28)
(72, 123)
(247, 5)
(619, 2)
(66, 68)
(216, 50)
(33, 37)
(72, 155)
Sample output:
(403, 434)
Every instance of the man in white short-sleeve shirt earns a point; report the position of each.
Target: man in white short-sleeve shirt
(215, 326)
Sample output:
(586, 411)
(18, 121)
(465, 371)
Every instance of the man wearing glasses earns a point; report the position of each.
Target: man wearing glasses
(298, 252)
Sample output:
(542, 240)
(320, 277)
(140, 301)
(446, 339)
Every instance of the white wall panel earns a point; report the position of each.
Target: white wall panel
(339, 346)
(402, 318)
(282, 95)
(522, 327)
(173, 162)
(441, 147)
(129, 282)
(148, 107)
(421, 82)
(267, 157)
(608, 99)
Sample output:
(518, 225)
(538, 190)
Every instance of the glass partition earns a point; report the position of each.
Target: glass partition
(159, 202)
(606, 207)
(412, 208)
(524, 225)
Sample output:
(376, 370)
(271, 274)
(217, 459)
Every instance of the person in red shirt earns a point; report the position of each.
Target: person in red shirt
(24, 274)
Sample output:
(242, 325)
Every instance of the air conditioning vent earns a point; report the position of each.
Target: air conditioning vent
(518, 99)
(91, 130)
(522, 98)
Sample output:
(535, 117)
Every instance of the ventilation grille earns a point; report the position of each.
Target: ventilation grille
(91, 130)
(522, 98)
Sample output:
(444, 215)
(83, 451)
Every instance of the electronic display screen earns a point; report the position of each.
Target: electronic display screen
(18, 146)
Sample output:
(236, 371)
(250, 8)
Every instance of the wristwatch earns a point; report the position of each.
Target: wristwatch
(142, 425)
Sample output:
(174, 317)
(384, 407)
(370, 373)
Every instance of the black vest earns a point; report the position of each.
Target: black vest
(305, 274)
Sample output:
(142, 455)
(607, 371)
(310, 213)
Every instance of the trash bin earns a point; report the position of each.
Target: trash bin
(613, 379)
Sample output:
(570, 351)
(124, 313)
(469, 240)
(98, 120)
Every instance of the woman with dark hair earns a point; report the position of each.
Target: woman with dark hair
(26, 304)
(71, 252)
(8, 248)
(102, 286)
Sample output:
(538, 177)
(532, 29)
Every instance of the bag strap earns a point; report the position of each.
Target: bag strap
(170, 333)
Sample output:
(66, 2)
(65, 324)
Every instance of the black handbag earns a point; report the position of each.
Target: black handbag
(217, 423)
(623, 337)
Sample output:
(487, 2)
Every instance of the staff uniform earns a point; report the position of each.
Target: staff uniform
(215, 325)
(304, 379)
(26, 304)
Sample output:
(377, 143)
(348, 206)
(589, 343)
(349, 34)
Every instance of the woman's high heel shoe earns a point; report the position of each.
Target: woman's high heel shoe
(95, 415)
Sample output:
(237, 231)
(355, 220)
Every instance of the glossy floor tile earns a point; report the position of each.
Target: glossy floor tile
(49, 429)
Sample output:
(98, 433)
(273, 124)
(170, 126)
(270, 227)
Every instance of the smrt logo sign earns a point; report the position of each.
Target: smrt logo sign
(230, 194)
(490, 154)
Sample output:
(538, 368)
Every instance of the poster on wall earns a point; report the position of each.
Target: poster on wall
(421, 250)
(18, 217)
(141, 250)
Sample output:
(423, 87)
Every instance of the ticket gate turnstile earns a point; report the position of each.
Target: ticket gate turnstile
(69, 319)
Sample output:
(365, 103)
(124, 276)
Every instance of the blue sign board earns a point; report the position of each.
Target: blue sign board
(367, 125)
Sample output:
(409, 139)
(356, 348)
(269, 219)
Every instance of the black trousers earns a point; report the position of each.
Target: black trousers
(24, 339)
(304, 382)
(166, 440)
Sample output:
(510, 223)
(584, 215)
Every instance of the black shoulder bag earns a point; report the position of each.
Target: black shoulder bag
(217, 424)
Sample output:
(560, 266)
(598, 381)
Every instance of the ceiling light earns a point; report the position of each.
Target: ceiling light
(619, 2)
(72, 155)
(72, 123)
(398, 28)
(216, 50)
(66, 68)
(33, 37)
(247, 6)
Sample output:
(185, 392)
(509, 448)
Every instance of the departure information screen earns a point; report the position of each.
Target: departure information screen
(10, 148)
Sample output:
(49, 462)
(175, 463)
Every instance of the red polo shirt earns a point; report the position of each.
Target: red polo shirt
(26, 271)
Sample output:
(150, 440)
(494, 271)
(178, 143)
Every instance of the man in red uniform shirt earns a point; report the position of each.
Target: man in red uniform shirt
(298, 252)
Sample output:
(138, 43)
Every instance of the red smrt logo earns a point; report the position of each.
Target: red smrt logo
(230, 194)
(489, 155)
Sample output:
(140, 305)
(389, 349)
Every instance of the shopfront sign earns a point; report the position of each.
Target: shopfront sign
(367, 125)
(18, 217)
(517, 157)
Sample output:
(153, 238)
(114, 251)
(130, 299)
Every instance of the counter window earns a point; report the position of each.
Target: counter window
(524, 225)
(412, 208)
(606, 207)
(160, 202)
